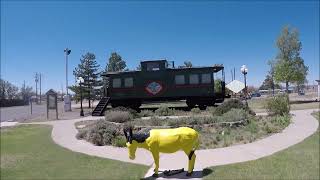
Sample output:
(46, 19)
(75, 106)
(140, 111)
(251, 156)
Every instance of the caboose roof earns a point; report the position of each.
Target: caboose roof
(216, 68)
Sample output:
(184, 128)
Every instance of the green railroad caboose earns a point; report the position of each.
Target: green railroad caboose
(157, 81)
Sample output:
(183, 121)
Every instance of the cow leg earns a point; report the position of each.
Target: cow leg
(192, 158)
(156, 162)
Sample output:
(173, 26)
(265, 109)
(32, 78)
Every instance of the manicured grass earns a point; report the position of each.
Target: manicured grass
(258, 105)
(311, 105)
(300, 161)
(28, 152)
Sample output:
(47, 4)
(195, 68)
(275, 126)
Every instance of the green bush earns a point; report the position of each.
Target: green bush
(234, 115)
(278, 105)
(195, 110)
(119, 141)
(118, 116)
(228, 105)
(133, 112)
(101, 133)
(145, 113)
(154, 121)
(81, 134)
(164, 111)
(252, 127)
(282, 121)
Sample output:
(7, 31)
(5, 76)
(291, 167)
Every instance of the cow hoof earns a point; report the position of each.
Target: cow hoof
(189, 174)
(154, 175)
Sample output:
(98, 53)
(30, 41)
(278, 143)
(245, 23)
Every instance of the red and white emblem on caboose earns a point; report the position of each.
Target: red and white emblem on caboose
(154, 88)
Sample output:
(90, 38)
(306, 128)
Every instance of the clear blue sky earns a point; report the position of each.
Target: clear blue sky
(33, 35)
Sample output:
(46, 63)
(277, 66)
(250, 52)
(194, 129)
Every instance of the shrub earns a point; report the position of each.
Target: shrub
(252, 127)
(101, 133)
(234, 115)
(282, 121)
(145, 113)
(228, 105)
(118, 116)
(195, 110)
(119, 141)
(270, 128)
(155, 121)
(133, 112)
(278, 105)
(164, 111)
(81, 134)
(13, 102)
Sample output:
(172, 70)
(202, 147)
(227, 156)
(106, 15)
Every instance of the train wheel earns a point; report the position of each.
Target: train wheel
(190, 104)
(202, 107)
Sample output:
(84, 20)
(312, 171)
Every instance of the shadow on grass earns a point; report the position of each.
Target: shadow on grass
(302, 102)
(195, 174)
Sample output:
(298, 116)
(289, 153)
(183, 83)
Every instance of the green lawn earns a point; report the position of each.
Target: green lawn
(258, 105)
(300, 161)
(28, 152)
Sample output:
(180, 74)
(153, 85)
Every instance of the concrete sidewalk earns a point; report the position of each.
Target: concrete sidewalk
(302, 126)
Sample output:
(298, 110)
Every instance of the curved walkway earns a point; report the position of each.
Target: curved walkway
(302, 126)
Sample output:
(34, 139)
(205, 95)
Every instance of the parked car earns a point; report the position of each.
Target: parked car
(255, 94)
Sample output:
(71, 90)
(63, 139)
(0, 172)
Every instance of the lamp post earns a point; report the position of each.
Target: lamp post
(80, 81)
(244, 71)
(67, 98)
(67, 52)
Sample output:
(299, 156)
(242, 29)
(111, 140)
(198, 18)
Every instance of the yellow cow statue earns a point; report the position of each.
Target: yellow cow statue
(164, 141)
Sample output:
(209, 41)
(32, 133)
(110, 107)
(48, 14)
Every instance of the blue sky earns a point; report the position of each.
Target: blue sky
(33, 35)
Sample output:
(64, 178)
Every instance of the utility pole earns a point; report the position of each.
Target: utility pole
(36, 80)
(40, 88)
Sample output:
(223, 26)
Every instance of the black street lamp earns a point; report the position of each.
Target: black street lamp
(244, 71)
(67, 52)
(80, 81)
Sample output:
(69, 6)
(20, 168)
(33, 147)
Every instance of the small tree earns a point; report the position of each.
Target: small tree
(289, 66)
(115, 63)
(269, 84)
(188, 64)
(26, 92)
(88, 70)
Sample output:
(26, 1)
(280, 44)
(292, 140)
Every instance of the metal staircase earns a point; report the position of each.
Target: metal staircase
(101, 107)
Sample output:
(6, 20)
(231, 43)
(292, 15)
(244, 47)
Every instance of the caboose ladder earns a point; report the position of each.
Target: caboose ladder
(101, 107)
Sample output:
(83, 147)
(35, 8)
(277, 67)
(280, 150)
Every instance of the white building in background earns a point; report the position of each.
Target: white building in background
(318, 99)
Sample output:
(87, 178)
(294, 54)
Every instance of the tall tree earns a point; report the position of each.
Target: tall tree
(188, 64)
(88, 69)
(289, 66)
(8, 90)
(115, 63)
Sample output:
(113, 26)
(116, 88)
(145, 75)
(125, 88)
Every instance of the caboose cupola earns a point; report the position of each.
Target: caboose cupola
(154, 65)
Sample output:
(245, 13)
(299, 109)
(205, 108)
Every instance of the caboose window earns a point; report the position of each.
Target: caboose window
(179, 79)
(153, 66)
(194, 79)
(205, 78)
(116, 83)
(128, 82)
